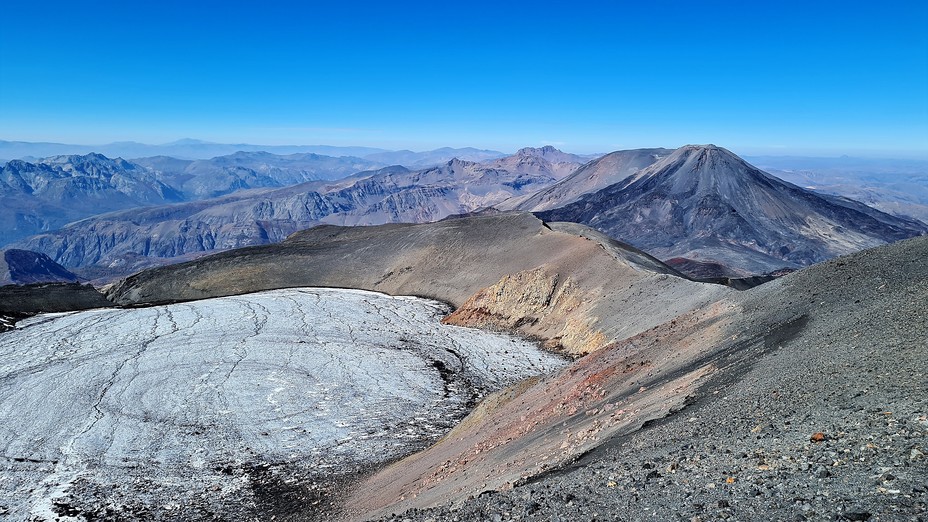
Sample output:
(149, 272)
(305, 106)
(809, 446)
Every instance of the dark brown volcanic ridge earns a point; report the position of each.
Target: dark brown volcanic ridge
(701, 269)
(565, 284)
(706, 204)
(19, 301)
(802, 399)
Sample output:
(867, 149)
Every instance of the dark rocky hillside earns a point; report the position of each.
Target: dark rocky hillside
(25, 267)
(706, 204)
(561, 283)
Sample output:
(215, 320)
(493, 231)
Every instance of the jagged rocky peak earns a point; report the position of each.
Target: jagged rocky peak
(549, 153)
(454, 165)
(547, 150)
(94, 159)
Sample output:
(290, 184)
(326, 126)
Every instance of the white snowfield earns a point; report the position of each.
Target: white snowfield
(325, 380)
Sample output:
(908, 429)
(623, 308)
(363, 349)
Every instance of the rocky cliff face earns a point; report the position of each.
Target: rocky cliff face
(533, 297)
(47, 194)
(595, 175)
(706, 204)
(123, 242)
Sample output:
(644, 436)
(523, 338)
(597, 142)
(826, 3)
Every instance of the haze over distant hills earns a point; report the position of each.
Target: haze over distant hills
(411, 159)
(124, 241)
(898, 187)
(192, 149)
(184, 149)
(47, 194)
(50, 193)
(709, 218)
(198, 179)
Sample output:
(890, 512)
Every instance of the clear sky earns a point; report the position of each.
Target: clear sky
(757, 77)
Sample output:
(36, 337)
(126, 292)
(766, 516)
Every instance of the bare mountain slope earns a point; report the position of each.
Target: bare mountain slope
(595, 175)
(503, 271)
(805, 397)
(543, 161)
(118, 244)
(707, 204)
(802, 399)
(23, 267)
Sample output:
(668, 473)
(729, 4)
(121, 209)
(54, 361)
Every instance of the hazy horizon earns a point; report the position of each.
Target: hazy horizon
(741, 151)
(829, 79)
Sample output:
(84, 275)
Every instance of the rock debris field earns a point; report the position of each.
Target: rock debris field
(233, 405)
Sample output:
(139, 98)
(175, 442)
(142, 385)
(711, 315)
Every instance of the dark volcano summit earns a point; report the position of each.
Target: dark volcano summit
(704, 203)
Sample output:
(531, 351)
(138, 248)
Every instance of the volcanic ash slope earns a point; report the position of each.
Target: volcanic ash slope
(704, 203)
(245, 406)
(567, 285)
(803, 399)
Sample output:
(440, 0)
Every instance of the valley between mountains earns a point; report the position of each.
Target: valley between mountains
(652, 334)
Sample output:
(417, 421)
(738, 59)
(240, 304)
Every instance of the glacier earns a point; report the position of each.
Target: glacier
(179, 404)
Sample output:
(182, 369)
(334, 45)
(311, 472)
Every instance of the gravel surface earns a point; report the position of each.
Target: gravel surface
(830, 424)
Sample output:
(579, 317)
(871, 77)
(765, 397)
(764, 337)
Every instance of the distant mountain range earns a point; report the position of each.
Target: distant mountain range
(199, 179)
(47, 194)
(898, 187)
(196, 149)
(411, 159)
(121, 242)
(705, 204)
(595, 175)
(702, 209)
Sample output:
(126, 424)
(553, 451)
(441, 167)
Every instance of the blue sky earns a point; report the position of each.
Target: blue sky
(757, 77)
